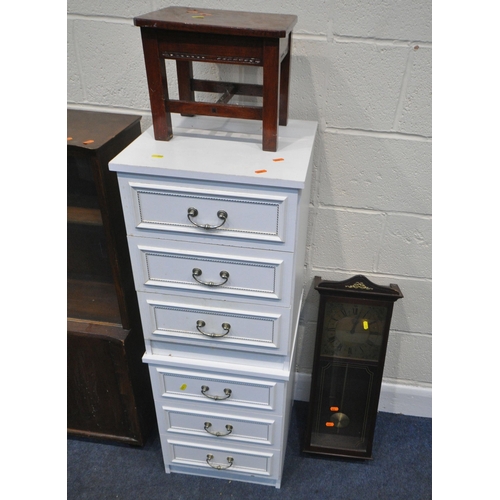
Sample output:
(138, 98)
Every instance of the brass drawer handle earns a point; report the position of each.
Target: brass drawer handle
(193, 212)
(198, 272)
(230, 461)
(229, 429)
(205, 388)
(200, 324)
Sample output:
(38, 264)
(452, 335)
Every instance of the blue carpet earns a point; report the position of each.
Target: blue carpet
(401, 469)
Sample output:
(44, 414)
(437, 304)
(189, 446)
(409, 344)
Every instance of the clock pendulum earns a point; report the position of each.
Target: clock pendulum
(339, 420)
(351, 341)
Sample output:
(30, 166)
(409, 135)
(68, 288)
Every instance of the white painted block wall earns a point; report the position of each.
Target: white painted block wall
(363, 71)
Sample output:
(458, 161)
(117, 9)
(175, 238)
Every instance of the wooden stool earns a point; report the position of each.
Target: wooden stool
(218, 36)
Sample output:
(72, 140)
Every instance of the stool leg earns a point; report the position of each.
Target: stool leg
(285, 83)
(271, 78)
(184, 77)
(157, 83)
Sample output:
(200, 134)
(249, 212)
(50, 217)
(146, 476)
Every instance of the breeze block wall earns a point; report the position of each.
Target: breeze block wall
(363, 71)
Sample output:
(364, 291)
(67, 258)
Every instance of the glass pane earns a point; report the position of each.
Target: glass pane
(353, 330)
(81, 186)
(341, 416)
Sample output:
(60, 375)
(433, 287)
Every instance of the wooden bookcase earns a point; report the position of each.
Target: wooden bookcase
(109, 393)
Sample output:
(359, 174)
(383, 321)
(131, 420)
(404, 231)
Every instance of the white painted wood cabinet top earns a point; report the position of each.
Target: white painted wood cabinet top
(221, 149)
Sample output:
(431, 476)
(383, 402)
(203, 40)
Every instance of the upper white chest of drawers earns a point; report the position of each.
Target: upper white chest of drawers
(217, 233)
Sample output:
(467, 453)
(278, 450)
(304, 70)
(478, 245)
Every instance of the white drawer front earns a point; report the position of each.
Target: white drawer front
(223, 459)
(213, 389)
(218, 427)
(163, 207)
(243, 272)
(214, 323)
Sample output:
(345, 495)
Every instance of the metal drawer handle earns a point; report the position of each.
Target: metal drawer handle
(205, 388)
(229, 429)
(223, 274)
(230, 461)
(200, 324)
(193, 212)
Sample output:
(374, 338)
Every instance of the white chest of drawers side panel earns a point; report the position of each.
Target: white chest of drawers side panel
(217, 233)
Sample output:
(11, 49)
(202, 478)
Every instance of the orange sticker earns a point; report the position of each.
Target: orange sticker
(70, 138)
(334, 408)
(90, 141)
(260, 171)
(278, 159)
(330, 424)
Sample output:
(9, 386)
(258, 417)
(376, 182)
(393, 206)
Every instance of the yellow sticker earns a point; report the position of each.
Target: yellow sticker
(156, 156)
(365, 324)
(183, 387)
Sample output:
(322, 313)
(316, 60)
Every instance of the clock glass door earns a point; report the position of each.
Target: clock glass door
(343, 405)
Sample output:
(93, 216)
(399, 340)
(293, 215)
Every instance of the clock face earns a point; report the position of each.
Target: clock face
(353, 330)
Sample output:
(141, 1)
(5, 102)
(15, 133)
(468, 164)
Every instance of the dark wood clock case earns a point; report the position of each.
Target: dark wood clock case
(351, 341)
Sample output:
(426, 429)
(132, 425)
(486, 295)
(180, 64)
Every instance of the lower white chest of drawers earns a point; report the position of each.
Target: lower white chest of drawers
(217, 233)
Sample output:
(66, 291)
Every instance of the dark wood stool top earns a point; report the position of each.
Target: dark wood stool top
(223, 22)
(190, 35)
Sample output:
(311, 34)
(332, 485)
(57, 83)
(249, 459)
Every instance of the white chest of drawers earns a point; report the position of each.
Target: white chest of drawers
(217, 231)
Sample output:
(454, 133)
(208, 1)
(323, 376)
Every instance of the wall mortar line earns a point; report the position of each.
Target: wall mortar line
(79, 62)
(106, 19)
(403, 91)
(389, 134)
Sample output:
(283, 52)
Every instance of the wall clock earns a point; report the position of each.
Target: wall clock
(354, 318)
